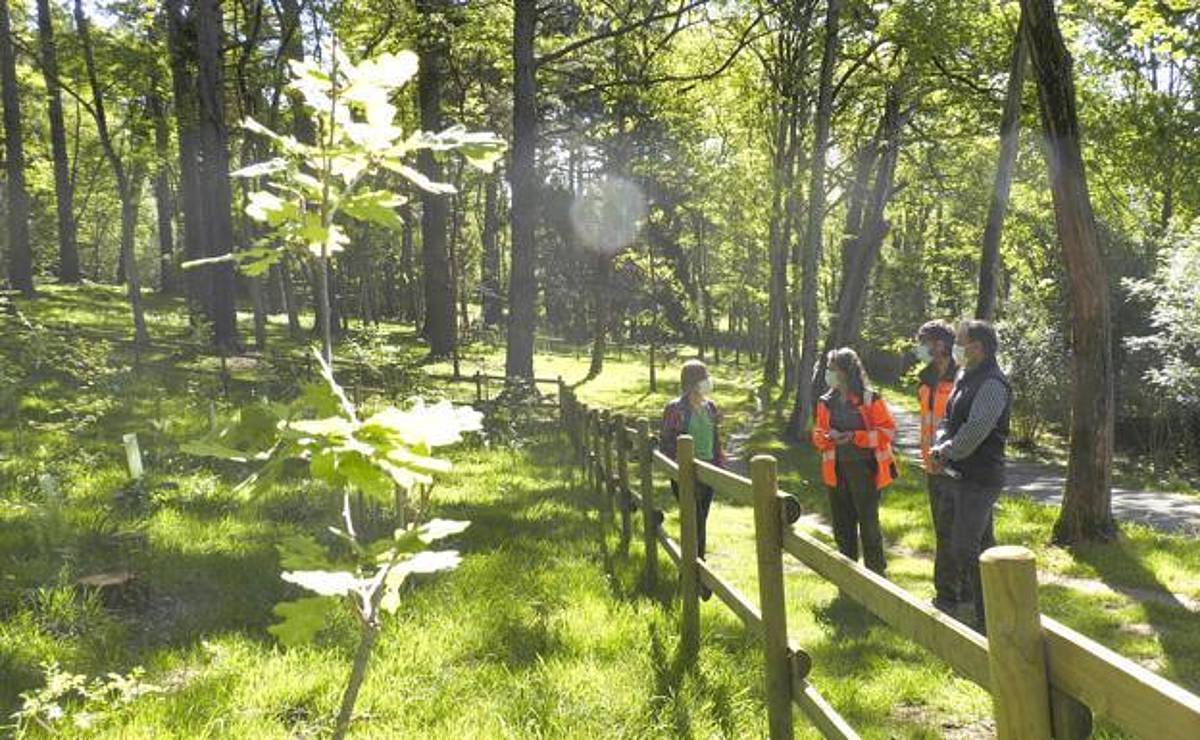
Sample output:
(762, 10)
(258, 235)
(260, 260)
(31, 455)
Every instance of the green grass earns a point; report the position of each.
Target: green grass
(543, 631)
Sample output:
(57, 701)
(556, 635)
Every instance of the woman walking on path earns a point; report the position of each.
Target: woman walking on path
(854, 432)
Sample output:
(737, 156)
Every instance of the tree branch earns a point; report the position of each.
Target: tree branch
(574, 46)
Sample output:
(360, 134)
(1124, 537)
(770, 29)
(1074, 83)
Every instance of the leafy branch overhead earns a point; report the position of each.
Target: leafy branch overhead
(311, 186)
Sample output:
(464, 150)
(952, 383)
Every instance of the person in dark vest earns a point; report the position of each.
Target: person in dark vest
(935, 383)
(854, 430)
(970, 448)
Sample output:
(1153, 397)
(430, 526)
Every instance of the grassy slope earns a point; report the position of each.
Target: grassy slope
(540, 633)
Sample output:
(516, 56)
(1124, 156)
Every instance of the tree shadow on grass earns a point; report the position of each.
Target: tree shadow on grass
(1171, 619)
(670, 700)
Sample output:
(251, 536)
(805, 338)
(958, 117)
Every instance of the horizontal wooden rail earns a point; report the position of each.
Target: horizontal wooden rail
(1140, 701)
(820, 712)
(670, 545)
(961, 647)
(732, 598)
(667, 465)
(724, 481)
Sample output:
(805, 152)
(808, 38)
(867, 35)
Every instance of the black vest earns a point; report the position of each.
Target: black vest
(986, 464)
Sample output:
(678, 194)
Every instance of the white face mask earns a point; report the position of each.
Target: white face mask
(705, 386)
(831, 378)
(960, 354)
(923, 354)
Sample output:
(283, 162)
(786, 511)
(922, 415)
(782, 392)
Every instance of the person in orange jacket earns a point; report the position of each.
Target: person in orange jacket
(854, 431)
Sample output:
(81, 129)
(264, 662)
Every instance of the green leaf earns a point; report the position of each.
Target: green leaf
(214, 449)
(419, 179)
(377, 207)
(302, 552)
(260, 169)
(436, 529)
(302, 619)
(324, 582)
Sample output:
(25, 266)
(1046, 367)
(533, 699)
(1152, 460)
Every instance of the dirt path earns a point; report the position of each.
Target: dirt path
(1169, 512)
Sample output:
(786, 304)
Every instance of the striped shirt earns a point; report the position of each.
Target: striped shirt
(986, 410)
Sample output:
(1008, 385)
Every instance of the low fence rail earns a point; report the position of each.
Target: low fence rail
(1046, 680)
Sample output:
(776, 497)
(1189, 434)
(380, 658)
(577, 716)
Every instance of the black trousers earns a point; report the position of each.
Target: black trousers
(854, 504)
(704, 497)
(973, 504)
(949, 591)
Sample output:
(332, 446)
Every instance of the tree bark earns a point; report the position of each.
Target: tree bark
(68, 247)
(181, 40)
(814, 227)
(1010, 125)
(522, 291)
(1087, 502)
(493, 304)
(163, 197)
(216, 195)
(440, 329)
(20, 250)
(128, 182)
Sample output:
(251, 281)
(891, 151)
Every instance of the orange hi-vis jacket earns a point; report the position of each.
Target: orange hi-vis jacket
(933, 408)
(878, 435)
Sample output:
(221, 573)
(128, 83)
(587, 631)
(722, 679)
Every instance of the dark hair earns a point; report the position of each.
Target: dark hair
(937, 330)
(984, 333)
(846, 360)
(692, 372)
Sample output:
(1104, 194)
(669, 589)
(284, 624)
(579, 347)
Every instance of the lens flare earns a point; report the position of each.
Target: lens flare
(608, 216)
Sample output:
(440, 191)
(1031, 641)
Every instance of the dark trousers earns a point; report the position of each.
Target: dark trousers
(854, 504)
(704, 497)
(973, 504)
(950, 583)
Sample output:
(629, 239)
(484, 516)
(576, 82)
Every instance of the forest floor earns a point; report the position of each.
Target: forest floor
(543, 631)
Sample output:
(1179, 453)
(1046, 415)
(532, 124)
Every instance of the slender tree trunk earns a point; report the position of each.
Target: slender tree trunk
(357, 673)
(1010, 125)
(440, 329)
(20, 250)
(1087, 503)
(602, 294)
(493, 304)
(68, 248)
(163, 197)
(522, 291)
(217, 196)
(128, 182)
(814, 227)
(411, 286)
(287, 288)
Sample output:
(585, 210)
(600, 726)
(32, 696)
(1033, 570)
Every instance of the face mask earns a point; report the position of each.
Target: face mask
(960, 354)
(705, 386)
(923, 354)
(831, 378)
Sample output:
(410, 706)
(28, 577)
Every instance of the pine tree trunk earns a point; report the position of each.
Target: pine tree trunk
(20, 250)
(1010, 125)
(440, 330)
(1087, 502)
(814, 228)
(68, 248)
(522, 291)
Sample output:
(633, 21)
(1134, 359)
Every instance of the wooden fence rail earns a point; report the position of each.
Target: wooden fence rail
(1046, 680)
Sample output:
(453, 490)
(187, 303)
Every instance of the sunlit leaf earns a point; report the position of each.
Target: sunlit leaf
(323, 582)
(302, 619)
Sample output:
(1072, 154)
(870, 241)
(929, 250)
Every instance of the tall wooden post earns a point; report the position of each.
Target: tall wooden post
(689, 575)
(1016, 653)
(768, 530)
(606, 461)
(622, 439)
(649, 516)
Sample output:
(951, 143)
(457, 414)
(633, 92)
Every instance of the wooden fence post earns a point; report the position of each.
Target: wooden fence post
(606, 459)
(768, 529)
(593, 453)
(649, 515)
(689, 574)
(622, 438)
(1016, 652)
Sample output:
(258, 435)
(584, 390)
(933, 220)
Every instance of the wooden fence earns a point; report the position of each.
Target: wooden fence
(1046, 680)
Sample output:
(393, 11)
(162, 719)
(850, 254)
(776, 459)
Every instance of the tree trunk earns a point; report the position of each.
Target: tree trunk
(1010, 125)
(181, 40)
(813, 232)
(128, 182)
(20, 251)
(217, 197)
(602, 295)
(411, 286)
(163, 198)
(440, 330)
(288, 290)
(493, 304)
(68, 248)
(1087, 502)
(522, 290)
